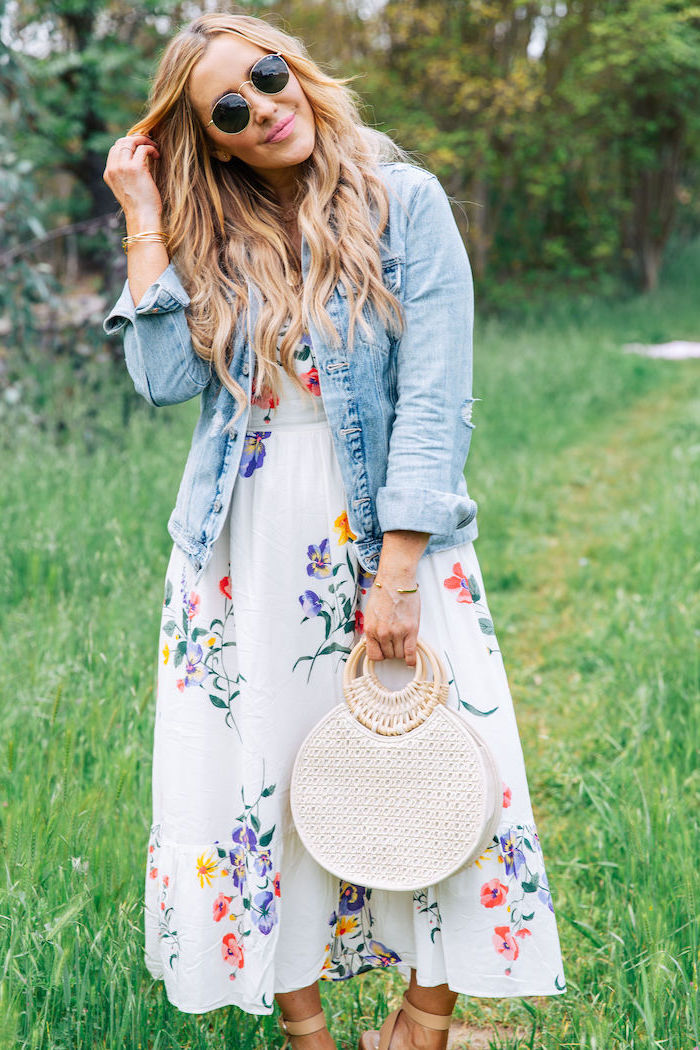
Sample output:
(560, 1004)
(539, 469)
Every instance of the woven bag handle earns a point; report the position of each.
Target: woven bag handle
(393, 713)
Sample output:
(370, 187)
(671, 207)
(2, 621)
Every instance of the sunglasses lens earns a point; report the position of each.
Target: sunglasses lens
(231, 114)
(270, 75)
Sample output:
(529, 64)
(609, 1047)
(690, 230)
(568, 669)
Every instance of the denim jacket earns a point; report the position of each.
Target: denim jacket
(399, 408)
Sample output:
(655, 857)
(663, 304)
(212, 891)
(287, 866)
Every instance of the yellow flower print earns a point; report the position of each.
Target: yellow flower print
(345, 533)
(346, 923)
(206, 867)
(211, 640)
(166, 653)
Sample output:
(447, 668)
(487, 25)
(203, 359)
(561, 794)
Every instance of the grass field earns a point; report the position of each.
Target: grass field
(585, 463)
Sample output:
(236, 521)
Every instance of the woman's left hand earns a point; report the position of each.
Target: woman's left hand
(391, 623)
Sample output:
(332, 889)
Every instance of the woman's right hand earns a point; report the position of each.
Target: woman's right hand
(128, 176)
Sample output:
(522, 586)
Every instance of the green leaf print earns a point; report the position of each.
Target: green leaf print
(168, 592)
(266, 839)
(474, 588)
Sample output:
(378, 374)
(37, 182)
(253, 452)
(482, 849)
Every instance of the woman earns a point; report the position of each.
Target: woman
(311, 284)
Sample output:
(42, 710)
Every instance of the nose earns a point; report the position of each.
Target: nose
(262, 106)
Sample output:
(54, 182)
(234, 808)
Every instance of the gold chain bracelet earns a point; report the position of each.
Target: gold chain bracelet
(147, 236)
(399, 590)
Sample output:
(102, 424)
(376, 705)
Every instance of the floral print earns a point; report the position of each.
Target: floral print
(253, 452)
(250, 655)
(517, 848)
(430, 908)
(202, 649)
(335, 604)
(251, 888)
(352, 949)
(468, 593)
(319, 559)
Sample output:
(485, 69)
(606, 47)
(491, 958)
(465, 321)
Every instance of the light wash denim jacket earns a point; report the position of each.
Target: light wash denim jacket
(399, 408)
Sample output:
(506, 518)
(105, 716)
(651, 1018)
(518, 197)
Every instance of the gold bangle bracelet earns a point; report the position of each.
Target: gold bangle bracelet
(399, 590)
(147, 236)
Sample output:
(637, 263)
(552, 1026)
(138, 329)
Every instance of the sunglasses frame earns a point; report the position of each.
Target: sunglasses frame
(277, 54)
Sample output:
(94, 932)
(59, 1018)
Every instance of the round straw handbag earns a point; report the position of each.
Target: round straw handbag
(394, 790)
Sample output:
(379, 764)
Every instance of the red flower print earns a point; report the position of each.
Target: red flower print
(231, 950)
(310, 381)
(166, 880)
(507, 795)
(162, 905)
(153, 873)
(493, 893)
(459, 582)
(193, 605)
(264, 399)
(524, 932)
(276, 884)
(221, 907)
(505, 943)
(151, 848)
(225, 586)
(181, 684)
(359, 620)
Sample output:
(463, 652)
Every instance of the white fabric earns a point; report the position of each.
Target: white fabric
(235, 908)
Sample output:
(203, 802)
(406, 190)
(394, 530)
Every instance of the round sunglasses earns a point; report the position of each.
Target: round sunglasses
(231, 114)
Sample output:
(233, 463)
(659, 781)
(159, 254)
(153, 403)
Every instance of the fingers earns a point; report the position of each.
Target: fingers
(409, 650)
(127, 162)
(389, 647)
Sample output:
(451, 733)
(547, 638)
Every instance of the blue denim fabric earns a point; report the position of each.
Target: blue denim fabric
(399, 409)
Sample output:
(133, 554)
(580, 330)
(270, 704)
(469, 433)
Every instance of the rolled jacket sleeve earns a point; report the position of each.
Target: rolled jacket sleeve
(425, 489)
(158, 350)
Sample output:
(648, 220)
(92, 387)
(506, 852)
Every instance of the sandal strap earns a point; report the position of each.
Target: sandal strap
(387, 1029)
(439, 1022)
(305, 1027)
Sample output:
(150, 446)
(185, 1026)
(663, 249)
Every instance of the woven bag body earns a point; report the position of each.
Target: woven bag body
(393, 790)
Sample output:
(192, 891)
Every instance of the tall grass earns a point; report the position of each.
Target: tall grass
(585, 465)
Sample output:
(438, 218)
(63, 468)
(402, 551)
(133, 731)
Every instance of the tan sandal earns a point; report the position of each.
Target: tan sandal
(305, 1027)
(438, 1022)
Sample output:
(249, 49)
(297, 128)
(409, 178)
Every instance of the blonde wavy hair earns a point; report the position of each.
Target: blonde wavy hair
(224, 224)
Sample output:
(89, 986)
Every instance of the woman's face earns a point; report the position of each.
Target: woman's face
(224, 67)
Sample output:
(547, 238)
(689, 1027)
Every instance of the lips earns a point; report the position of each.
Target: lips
(281, 130)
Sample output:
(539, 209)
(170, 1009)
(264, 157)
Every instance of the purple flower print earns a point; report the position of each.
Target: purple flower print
(512, 854)
(253, 452)
(263, 861)
(543, 892)
(319, 559)
(352, 898)
(364, 580)
(238, 873)
(305, 340)
(387, 956)
(195, 672)
(310, 603)
(265, 913)
(245, 837)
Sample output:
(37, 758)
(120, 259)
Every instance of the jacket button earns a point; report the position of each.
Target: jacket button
(245, 369)
(217, 505)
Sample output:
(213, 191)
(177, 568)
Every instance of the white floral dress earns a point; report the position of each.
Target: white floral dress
(249, 660)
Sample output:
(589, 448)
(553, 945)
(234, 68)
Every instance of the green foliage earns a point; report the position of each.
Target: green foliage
(584, 464)
(573, 162)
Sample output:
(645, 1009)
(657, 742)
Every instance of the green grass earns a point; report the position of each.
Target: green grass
(585, 463)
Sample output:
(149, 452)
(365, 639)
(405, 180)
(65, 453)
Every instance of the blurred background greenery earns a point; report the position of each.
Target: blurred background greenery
(569, 134)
